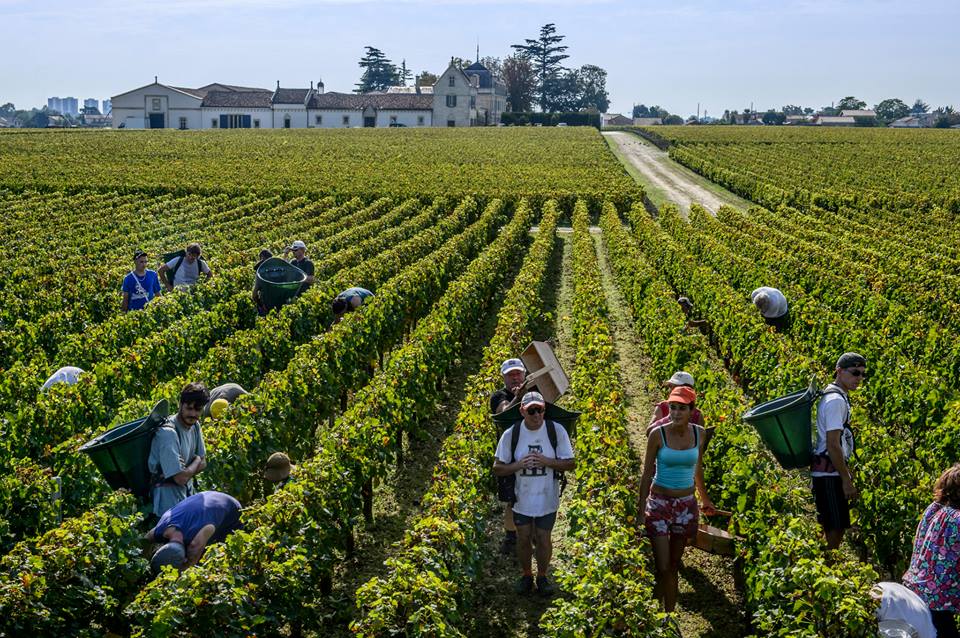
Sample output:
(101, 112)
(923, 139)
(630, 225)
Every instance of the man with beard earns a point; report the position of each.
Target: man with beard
(177, 452)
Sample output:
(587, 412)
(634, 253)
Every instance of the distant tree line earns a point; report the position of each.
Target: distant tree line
(887, 111)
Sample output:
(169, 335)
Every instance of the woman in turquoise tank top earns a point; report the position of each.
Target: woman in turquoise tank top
(668, 500)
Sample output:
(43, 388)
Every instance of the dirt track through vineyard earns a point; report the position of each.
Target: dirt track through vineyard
(708, 604)
(667, 181)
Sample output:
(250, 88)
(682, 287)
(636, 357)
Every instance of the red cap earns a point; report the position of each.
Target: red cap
(682, 394)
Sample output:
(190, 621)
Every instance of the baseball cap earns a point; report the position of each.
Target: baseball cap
(682, 394)
(298, 244)
(511, 364)
(532, 398)
(173, 553)
(681, 378)
(851, 360)
(138, 254)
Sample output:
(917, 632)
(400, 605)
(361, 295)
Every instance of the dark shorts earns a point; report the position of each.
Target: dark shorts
(545, 522)
(781, 323)
(833, 511)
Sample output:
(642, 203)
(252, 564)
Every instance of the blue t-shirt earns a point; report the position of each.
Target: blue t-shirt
(141, 290)
(196, 512)
(356, 291)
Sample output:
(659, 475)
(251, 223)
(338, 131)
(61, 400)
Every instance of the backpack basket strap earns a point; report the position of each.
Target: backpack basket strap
(514, 441)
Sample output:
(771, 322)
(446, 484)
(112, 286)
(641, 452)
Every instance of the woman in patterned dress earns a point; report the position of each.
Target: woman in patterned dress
(934, 572)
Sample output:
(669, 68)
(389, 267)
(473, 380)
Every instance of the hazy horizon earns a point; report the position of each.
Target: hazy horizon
(723, 55)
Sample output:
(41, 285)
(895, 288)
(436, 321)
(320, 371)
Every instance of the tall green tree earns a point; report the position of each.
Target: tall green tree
(546, 54)
(851, 103)
(593, 88)
(404, 74)
(521, 82)
(919, 107)
(891, 109)
(379, 73)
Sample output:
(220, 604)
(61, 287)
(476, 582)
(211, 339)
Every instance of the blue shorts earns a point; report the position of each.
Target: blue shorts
(545, 522)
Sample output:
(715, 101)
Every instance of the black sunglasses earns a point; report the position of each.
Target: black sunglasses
(858, 373)
(534, 410)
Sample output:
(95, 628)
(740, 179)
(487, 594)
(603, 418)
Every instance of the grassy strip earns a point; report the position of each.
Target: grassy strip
(608, 577)
(426, 585)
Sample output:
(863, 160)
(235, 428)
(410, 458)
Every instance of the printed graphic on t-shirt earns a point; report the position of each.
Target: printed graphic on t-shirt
(536, 471)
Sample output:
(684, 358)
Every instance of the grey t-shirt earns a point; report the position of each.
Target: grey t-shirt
(187, 274)
(173, 448)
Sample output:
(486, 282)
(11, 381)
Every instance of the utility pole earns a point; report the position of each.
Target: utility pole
(698, 111)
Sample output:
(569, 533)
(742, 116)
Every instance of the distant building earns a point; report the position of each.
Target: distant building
(107, 107)
(5, 123)
(920, 120)
(453, 101)
(797, 120)
(834, 120)
(647, 121)
(56, 121)
(91, 103)
(71, 106)
(55, 104)
(858, 113)
(491, 99)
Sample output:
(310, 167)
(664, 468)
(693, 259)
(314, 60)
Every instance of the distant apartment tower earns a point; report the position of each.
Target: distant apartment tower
(91, 103)
(107, 107)
(55, 104)
(70, 106)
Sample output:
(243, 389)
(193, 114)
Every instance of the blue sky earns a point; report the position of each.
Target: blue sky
(676, 54)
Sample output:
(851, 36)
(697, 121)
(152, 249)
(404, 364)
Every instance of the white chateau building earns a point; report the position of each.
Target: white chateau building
(460, 97)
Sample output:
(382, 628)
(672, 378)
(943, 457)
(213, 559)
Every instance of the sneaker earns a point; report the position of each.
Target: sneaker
(509, 546)
(524, 585)
(544, 586)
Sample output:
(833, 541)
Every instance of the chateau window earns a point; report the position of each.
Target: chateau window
(393, 119)
(451, 100)
(451, 123)
(213, 123)
(183, 124)
(319, 120)
(286, 121)
(453, 81)
(156, 104)
(256, 124)
(346, 120)
(420, 120)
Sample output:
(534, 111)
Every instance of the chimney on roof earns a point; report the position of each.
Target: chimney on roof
(155, 80)
(311, 86)
(278, 85)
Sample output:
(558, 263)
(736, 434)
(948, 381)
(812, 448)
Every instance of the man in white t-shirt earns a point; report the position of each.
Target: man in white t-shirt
(534, 461)
(772, 306)
(186, 269)
(833, 487)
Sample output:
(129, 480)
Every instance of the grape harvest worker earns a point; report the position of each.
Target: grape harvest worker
(185, 269)
(670, 514)
(933, 573)
(140, 285)
(514, 374)
(348, 301)
(833, 486)
(301, 261)
(687, 306)
(261, 308)
(227, 394)
(680, 379)
(189, 526)
(177, 452)
(534, 462)
(772, 306)
(900, 608)
(66, 374)
(279, 470)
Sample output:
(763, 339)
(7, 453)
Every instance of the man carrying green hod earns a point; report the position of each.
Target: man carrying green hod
(177, 452)
(833, 487)
(185, 270)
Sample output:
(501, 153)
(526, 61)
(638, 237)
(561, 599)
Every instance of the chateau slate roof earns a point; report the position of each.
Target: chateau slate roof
(241, 99)
(379, 101)
(290, 96)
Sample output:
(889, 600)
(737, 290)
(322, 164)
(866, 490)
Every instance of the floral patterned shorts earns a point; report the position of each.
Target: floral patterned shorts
(667, 515)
